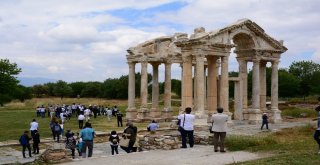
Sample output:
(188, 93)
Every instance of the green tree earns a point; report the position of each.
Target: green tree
(92, 89)
(22, 93)
(62, 89)
(306, 72)
(8, 81)
(77, 88)
(40, 90)
(288, 84)
(176, 87)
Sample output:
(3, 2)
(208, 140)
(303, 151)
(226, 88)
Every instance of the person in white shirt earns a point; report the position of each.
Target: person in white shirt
(186, 122)
(109, 113)
(62, 117)
(80, 120)
(33, 127)
(87, 113)
(219, 128)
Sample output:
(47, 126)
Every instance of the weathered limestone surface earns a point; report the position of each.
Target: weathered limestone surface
(206, 92)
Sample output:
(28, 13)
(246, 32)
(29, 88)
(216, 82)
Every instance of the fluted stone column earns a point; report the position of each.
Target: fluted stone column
(205, 88)
(187, 82)
(200, 86)
(143, 112)
(224, 84)
(155, 112)
(243, 74)
(263, 86)
(167, 111)
(274, 93)
(254, 112)
(212, 99)
(131, 112)
(195, 88)
(182, 91)
(238, 112)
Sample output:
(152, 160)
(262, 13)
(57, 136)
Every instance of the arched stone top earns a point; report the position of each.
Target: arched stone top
(245, 35)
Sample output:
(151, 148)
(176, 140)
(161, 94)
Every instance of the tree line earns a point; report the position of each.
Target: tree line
(301, 79)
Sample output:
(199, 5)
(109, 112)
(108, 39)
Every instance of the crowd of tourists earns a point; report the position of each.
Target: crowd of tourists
(83, 140)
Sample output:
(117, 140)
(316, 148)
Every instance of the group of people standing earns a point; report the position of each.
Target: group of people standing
(35, 137)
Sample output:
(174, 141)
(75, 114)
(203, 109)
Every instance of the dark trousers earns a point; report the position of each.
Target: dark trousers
(32, 133)
(89, 144)
(184, 135)
(56, 134)
(72, 153)
(264, 123)
(218, 140)
(24, 149)
(119, 122)
(114, 148)
(35, 147)
(316, 137)
(80, 124)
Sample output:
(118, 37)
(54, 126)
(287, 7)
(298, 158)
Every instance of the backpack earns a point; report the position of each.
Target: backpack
(57, 128)
(23, 140)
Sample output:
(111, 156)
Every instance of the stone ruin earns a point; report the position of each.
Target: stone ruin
(204, 57)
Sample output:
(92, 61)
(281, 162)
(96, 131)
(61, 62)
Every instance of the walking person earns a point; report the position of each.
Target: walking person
(24, 141)
(34, 125)
(186, 123)
(87, 134)
(80, 120)
(109, 113)
(119, 118)
(316, 137)
(57, 131)
(264, 120)
(219, 128)
(114, 142)
(71, 142)
(36, 141)
(318, 111)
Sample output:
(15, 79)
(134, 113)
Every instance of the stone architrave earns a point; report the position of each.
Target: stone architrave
(274, 93)
(131, 112)
(155, 111)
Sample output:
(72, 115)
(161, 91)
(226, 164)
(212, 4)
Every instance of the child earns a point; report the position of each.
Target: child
(79, 145)
(70, 142)
(114, 142)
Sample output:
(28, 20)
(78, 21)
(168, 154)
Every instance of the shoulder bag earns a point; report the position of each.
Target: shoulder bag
(181, 128)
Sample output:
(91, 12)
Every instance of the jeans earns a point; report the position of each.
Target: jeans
(56, 134)
(218, 140)
(35, 147)
(89, 144)
(184, 135)
(264, 123)
(119, 122)
(80, 124)
(316, 137)
(114, 148)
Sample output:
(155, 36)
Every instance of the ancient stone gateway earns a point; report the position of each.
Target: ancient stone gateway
(208, 54)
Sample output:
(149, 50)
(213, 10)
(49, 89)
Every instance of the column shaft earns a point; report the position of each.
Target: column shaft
(155, 86)
(243, 74)
(167, 86)
(187, 82)
(224, 84)
(263, 86)
(200, 86)
(131, 85)
(256, 85)
(144, 84)
(274, 86)
(212, 84)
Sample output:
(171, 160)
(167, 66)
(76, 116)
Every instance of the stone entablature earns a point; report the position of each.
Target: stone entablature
(204, 57)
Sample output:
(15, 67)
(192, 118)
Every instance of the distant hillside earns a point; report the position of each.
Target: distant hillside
(30, 81)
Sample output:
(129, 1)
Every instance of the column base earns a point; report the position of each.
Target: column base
(254, 116)
(143, 114)
(276, 116)
(201, 115)
(167, 114)
(131, 113)
(155, 113)
(245, 114)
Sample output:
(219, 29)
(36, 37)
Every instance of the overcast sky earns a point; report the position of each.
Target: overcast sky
(86, 40)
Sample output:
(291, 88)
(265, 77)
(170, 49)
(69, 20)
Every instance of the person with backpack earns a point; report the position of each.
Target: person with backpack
(24, 141)
(114, 142)
(36, 141)
(57, 131)
(70, 142)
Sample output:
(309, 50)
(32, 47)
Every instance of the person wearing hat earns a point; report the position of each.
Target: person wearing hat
(264, 120)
